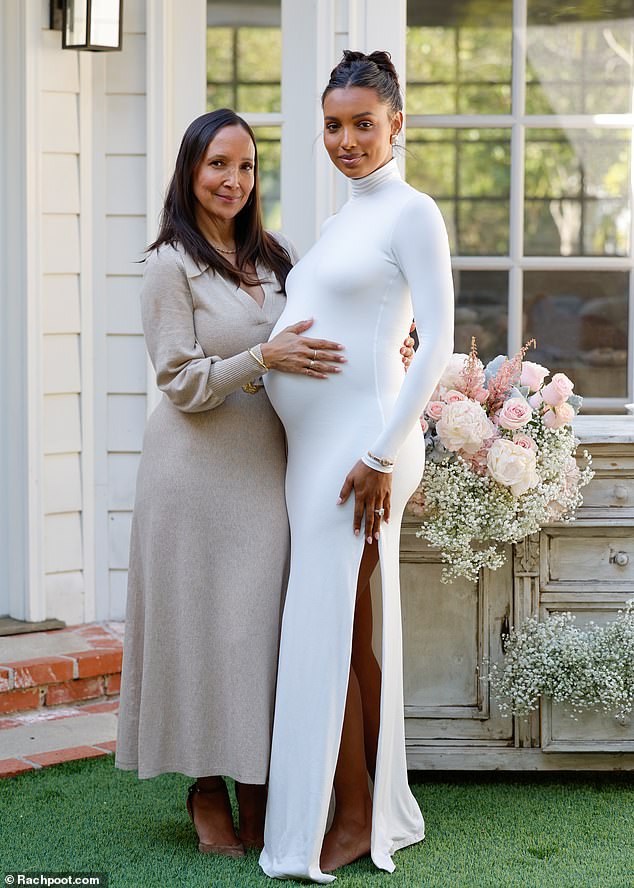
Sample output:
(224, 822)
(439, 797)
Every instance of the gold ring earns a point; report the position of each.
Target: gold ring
(314, 354)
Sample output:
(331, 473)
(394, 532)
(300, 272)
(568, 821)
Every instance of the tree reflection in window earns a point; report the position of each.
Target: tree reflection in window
(577, 192)
(468, 172)
(459, 56)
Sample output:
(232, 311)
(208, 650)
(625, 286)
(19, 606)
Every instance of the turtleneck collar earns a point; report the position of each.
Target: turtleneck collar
(373, 181)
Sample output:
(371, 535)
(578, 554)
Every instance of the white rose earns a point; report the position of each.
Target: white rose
(513, 466)
(464, 426)
(452, 374)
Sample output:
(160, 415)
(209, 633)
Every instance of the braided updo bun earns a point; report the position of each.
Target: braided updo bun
(374, 71)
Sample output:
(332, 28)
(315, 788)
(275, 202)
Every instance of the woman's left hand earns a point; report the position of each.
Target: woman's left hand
(372, 492)
(408, 349)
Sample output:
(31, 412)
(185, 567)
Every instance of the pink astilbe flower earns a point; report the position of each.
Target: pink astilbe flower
(472, 382)
(507, 377)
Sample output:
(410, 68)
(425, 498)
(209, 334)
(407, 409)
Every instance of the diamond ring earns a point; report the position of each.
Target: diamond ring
(379, 512)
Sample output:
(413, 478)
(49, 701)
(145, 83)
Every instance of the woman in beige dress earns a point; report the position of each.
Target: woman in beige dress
(210, 544)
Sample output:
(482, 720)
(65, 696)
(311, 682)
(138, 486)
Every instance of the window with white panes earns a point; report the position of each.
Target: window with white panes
(244, 72)
(519, 124)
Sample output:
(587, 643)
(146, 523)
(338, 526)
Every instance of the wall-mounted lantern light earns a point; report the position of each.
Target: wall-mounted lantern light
(93, 25)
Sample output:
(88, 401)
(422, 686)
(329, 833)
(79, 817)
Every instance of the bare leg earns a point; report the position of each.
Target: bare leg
(252, 805)
(349, 837)
(211, 813)
(364, 662)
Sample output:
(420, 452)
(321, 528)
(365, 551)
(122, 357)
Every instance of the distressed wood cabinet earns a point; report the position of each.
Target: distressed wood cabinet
(451, 632)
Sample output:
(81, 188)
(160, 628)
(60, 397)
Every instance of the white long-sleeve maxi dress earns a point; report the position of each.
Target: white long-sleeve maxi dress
(381, 260)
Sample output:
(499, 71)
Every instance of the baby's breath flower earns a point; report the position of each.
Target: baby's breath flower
(584, 669)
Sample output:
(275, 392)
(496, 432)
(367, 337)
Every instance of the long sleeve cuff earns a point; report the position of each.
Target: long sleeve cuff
(373, 464)
(229, 374)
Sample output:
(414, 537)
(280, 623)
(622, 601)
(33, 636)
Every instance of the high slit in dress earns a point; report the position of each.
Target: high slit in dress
(381, 260)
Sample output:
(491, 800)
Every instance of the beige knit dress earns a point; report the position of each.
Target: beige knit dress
(209, 546)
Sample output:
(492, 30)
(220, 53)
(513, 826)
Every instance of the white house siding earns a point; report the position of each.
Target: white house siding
(124, 382)
(61, 329)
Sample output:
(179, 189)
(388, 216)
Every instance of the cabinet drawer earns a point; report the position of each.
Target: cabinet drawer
(589, 732)
(608, 492)
(587, 558)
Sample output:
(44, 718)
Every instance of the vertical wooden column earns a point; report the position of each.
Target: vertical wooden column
(308, 54)
(375, 26)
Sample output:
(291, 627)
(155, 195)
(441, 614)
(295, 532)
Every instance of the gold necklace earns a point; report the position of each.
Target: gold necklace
(220, 250)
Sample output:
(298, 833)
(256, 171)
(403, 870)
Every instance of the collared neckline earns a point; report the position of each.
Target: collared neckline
(192, 268)
(373, 181)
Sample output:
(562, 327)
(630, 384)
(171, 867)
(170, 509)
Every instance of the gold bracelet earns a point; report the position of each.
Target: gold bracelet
(386, 463)
(259, 360)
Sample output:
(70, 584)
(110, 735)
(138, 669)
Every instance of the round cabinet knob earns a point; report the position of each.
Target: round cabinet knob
(621, 558)
(620, 492)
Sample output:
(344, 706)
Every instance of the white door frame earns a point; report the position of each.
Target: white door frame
(176, 66)
(21, 460)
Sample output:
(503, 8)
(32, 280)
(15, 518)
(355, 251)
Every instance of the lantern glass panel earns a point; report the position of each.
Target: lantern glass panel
(76, 23)
(104, 23)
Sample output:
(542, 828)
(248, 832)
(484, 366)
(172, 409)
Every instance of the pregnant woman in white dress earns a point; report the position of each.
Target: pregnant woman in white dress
(381, 260)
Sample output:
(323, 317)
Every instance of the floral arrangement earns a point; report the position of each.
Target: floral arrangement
(591, 668)
(500, 453)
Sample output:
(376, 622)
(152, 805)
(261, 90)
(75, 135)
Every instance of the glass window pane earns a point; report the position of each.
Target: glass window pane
(220, 96)
(481, 311)
(577, 192)
(458, 57)
(579, 57)
(260, 54)
(468, 173)
(268, 139)
(259, 98)
(244, 56)
(580, 321)
(220, 55)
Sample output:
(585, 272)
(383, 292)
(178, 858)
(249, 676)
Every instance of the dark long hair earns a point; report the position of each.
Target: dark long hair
(178, 218)
(375, 71)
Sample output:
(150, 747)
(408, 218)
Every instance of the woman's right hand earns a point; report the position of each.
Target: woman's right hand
(291, 352)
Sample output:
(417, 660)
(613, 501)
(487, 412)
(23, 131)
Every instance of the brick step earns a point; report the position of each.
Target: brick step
(42, 670)
(50, 736)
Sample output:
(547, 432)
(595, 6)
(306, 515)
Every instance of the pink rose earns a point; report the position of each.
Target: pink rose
(424, 424)
(514, 413)
(481, 395)
(452, 396)
(533, 375)
(434, 410)
(558, 390)
(558, 416)
(525, 441)
(566, 412)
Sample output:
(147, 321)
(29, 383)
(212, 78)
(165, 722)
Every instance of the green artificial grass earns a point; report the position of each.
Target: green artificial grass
(483, 831)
